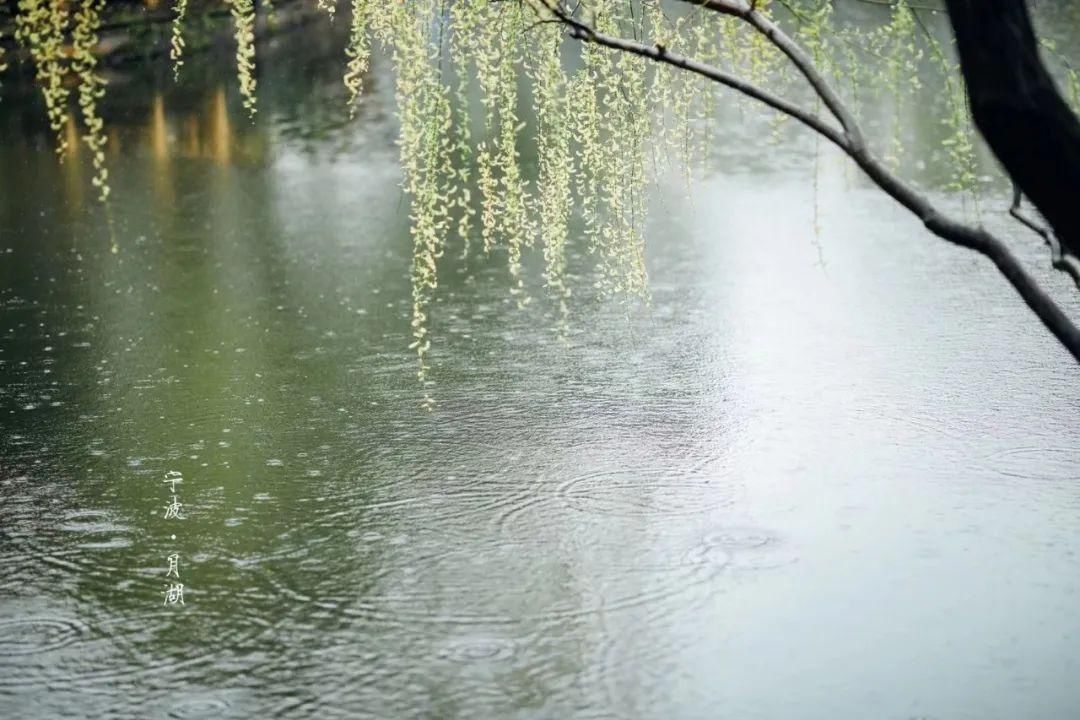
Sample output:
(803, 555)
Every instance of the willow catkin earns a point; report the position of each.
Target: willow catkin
(40, 26)
(899, 71)
(358, 51)
(426, 154)
(91, 87)
(243, 13)
(554, 201)
(177, 43)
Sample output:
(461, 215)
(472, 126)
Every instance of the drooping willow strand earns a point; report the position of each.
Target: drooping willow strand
(601, 122)
(358, 51)
(176, 44)
(243, 14)
(91, 87)
(62, 44)
(41, 26)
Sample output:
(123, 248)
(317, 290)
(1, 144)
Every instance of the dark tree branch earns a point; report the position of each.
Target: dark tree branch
(798, 57)
(1060, 261)
(1018, 109)
(1015, 211)
(582, 31)
(849, 140)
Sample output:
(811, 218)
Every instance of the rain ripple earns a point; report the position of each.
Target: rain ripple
(645, 493)
(197, 708)
(1036, 463)
(30, 636)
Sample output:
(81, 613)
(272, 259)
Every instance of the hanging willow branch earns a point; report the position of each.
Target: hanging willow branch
(41, 26)
(91, 88)
(594, 128)
(243, 12)
(176, 46)
(848, 137)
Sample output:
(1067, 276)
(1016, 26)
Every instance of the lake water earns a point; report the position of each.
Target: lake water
(830, 472)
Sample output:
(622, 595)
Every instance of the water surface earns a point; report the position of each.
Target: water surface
(829, 473)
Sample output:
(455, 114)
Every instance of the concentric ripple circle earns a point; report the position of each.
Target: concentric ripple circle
(479, 650)
(644, 492)
(199, 708)
(29, 636)
(742, 548)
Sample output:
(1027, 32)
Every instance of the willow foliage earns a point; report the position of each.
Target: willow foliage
(554, 134)
(91, 87)
(41, 26)
(176, 45)
(358, 50)
(327, 6)
(243, 13)
(601, 122)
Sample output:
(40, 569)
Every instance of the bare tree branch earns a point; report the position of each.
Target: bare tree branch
(1061, 261)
